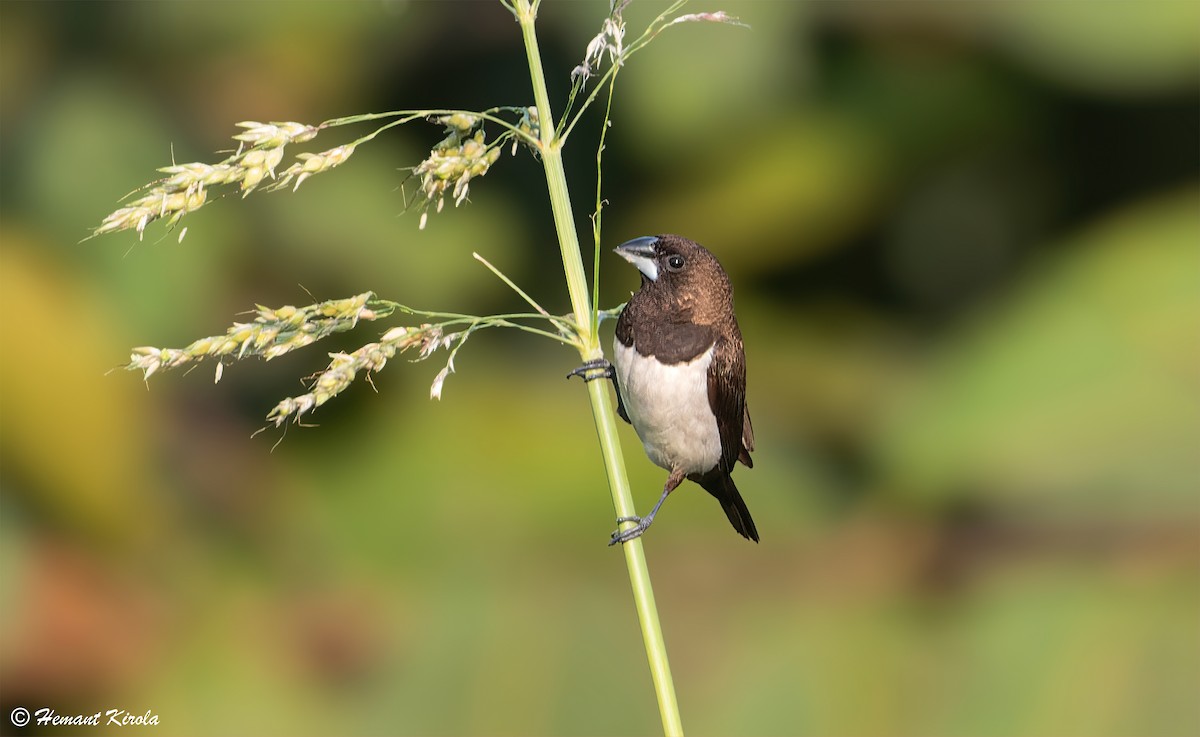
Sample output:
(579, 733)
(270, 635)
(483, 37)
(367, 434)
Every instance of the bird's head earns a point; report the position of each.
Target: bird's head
(679, 270)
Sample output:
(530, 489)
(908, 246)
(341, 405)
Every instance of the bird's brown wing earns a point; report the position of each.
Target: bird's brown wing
(747, 440)
(727, 398)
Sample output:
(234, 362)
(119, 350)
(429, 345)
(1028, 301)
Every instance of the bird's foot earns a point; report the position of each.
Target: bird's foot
(623, 536)
(595, 369)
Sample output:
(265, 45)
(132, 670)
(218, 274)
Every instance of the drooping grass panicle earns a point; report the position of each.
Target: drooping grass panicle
(427, 339)
(465, 154)
(255, 164)
(719, 16)
(344, 367)
(272, 333)
(186, 186)
(276, 331)
(610, 41)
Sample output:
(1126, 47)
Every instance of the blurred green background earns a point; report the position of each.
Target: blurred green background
(964, 238)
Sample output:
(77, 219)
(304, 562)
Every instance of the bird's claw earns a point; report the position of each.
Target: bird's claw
(623, 536)
(598, 368)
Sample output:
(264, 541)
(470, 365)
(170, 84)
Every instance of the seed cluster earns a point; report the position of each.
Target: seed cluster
(186, 186)
(272, 333)
(344, 367)
(461, 156)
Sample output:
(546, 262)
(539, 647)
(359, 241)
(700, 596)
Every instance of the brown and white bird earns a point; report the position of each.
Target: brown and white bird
(680, 374)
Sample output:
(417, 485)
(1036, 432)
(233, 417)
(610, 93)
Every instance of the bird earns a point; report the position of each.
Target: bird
(679, 370)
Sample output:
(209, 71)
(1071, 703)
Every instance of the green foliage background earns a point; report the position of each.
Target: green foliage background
(964, 240)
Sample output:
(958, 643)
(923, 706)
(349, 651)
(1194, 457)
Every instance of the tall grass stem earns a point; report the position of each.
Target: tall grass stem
(603, 412)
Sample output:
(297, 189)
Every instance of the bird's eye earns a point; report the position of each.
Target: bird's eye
(675, 262)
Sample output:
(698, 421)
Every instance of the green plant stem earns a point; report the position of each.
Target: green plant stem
(602, 406)
(407, 116)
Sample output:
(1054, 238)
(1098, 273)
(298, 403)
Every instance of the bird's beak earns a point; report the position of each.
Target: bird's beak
(640, 253)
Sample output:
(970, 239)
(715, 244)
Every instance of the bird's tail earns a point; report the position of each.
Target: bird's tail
(720, 485)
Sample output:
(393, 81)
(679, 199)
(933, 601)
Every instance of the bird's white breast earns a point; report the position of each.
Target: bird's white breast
(668, 407)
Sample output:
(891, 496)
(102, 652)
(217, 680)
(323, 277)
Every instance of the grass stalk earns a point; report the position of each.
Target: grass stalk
(603, 412)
